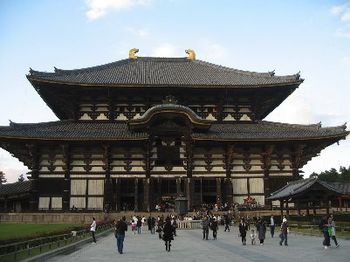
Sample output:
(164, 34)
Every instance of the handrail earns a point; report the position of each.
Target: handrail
(12, 250)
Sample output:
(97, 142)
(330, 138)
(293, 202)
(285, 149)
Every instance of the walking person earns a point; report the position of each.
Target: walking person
(243, 228)
(227, 221)
(214, 226)
(284, 232)
(331, 222)
(168, 234)
(205, 227)
(324, 228)
(120, 229)
(272, 226)
(153, 225)
(139, 225)
(93, 229)
(261, 230)
(252, 237)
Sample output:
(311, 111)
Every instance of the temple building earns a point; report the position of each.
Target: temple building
(143, 130)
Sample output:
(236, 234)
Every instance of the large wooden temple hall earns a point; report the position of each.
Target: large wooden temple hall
(142, 130)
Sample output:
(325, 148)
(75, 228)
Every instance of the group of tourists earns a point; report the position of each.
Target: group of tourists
(327, 226)
(166, 228)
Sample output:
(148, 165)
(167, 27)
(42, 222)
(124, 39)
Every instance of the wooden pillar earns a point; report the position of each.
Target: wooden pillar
(281, 207)
(339, 204)
(146, 194)
(33, 153)
(229, 191)
(136, 194)
(287, 207)
(108, 187)
(189, 192)
(307, 209)
(266, 157)
(66, 186)
(298, 207)
(218, 192)
(5, 205)
(116, 201)
(228, 167)
(189, 168)
(178, 186)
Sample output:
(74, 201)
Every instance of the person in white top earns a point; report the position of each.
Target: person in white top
(93, 229)
(272, 226)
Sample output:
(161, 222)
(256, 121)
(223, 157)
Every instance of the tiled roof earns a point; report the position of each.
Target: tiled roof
(15, 188)
(341, 187)
(265, 130)
(297, 187)
(153, 71)
(71, 130)
(89, 130)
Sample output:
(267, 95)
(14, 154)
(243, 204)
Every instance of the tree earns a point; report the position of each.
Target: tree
(3, 179)
(21, 178)
(332, 175)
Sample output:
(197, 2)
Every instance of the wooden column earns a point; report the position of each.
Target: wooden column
(307, 209)
(66, 187)
(218, 192)
(189, 192)
(136, 194)
(178, 186)
(228, 168)
(34, 159)
(116, 201)
(287, 207)
(108, 187)
(296, 160)
(189, 168)
(146, 194)
(281, 207)
(298, 207)
(266, 157)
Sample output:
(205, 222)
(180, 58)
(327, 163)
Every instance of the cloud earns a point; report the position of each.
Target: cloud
(342, 32)
(164, 50)
(11, 166)
(295, 109)
(338, 9)
(99, 8)
(141, 33)
(342, 12)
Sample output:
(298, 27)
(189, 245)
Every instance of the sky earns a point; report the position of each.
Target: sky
(288, 36)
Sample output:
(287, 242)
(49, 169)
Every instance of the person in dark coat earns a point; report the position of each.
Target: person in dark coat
(214, 226)
(284, 232)
(243, 228)
(261, 230)
(120, 229)
(227, 222)
(324, 228)
(205, 227)
(168, 233)
(153, 225)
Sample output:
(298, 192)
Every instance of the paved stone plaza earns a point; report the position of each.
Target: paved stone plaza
(189, 246)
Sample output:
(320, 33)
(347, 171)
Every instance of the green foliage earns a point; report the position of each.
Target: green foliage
(18, 232)
(21, 178)
(332, 175)
(3, 179)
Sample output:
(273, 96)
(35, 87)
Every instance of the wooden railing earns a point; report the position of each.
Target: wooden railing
(21, 250)
(189, 224)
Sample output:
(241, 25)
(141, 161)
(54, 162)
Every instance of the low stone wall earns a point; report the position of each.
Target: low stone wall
(50, 218)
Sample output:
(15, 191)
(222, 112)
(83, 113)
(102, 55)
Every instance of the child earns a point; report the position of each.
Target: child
(133, 226)
(252, 236)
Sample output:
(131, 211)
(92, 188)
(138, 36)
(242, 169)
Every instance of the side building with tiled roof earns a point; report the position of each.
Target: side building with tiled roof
(139, 132)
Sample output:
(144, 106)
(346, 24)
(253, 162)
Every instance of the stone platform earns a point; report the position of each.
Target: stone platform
(189, 246)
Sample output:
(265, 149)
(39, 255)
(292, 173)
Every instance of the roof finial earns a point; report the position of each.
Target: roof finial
(132, 53)
(191, 54)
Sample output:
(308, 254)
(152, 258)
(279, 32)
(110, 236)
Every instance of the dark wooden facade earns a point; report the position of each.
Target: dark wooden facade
(141, 131)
